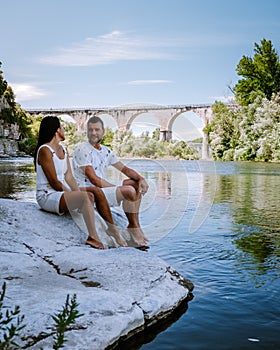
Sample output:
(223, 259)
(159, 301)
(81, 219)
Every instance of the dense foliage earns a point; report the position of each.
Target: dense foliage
(127, 145)
(250, 131)
(247, 133)
(259, 74)
(14, 114)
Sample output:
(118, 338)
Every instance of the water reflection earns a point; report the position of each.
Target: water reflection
(17, 179)
(252, 194)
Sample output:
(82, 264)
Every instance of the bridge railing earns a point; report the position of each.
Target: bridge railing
(116, 108)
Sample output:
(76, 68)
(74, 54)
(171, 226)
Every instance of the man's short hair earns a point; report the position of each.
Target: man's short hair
(95, 120)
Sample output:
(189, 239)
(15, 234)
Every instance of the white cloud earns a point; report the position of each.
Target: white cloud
(25, 92)
(123, 46)
(145, 82)
(110, 48)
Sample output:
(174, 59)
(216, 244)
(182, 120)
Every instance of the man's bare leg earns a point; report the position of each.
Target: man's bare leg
(131, 206)
(104, 210)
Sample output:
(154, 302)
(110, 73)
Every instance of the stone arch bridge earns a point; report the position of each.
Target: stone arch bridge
(124, 116)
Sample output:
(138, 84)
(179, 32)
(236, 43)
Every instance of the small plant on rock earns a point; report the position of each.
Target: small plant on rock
(11, 323)
(64, 319)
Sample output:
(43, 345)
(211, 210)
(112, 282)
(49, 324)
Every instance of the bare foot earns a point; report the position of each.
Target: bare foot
(93, 243)
(117, 237)
(138, 235)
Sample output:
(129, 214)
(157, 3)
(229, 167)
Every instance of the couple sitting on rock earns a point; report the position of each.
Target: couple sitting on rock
(59, 191)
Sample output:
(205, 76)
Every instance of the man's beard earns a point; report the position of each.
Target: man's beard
(93, 142)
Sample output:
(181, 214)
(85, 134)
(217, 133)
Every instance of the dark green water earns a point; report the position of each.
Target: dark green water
(17, 179)
(218, 224)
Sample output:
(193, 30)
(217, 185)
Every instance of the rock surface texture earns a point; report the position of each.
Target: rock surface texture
(119, 291)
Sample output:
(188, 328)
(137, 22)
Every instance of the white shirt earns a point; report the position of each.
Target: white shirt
(84, 155)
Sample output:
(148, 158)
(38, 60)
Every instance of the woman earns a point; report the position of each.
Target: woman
(56, 188)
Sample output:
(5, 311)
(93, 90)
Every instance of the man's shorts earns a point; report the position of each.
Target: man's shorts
(111, 195)
(49, 200)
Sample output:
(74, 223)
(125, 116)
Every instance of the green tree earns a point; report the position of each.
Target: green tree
(3, 83)
(223, 131)
(260, 125)
(247, 133)
(108, 137)
(29, 126)
(12, 113)
(156, 134)
(181, 150)
(260, 73)
(10, 96)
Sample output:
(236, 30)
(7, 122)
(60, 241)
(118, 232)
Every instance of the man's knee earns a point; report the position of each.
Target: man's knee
(131, 182)
(128, 192)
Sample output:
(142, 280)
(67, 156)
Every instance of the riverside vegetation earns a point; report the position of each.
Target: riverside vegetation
(11, 322)
(249, 131)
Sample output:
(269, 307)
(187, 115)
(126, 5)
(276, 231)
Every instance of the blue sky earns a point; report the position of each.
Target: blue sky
(89, 53)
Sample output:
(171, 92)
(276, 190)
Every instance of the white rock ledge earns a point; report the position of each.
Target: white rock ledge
(120, 291)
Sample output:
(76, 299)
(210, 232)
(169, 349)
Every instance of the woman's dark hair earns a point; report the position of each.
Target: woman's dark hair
(48, 128)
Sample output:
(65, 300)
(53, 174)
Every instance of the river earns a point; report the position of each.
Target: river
(218, 224)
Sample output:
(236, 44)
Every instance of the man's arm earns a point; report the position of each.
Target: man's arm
(94, 179)
(133, 175)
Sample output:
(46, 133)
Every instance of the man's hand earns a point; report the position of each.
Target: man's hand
(143, 186)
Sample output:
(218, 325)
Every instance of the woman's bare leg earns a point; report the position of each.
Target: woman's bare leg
(104, 210)
(84, 201)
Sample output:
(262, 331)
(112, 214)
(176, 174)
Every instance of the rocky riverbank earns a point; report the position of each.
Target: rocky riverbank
(9, 148)
(9, 136)
(120, 292)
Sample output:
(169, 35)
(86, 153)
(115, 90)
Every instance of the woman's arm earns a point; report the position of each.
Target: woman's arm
(45, 159)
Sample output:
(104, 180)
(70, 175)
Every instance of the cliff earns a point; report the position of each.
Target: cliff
(9, 135)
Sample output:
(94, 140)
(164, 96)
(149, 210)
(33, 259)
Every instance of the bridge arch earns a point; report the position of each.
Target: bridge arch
(185, 125)
(147, 118)
(124, 116)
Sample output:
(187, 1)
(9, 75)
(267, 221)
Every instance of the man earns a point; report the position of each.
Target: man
(90, 162)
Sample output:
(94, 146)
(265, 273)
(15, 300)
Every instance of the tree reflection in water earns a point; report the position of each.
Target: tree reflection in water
(252, 193)
(17, 178)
